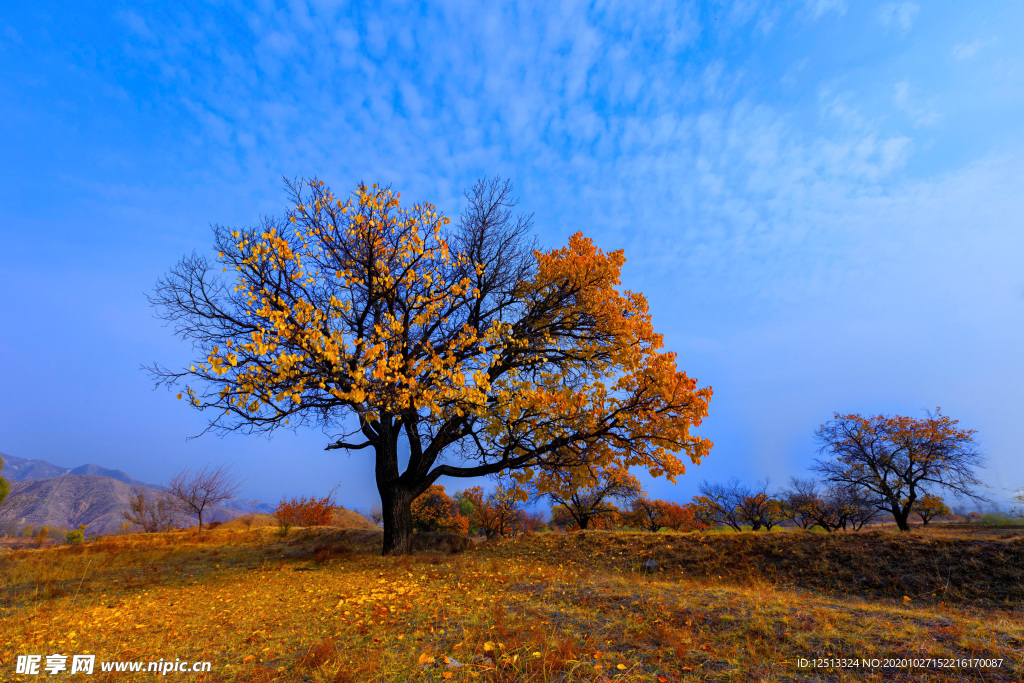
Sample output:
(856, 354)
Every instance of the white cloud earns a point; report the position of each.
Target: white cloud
(906, 103)
(899, 14)
(135, 24)
(821, 7)
(963, 51)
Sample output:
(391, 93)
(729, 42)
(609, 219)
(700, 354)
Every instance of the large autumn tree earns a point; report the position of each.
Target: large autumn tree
(386, 325)
(895, 460)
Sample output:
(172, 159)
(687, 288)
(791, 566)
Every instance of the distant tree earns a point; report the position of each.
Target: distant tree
(497, 513)
(473, 350)
(589, 502)
(858, 505)
(466, 507)
(721, 503)
(653, 515)
(645, 514)
(892, 458)
(196, 491)
(840, 506)
(771, 511)
(532, 521)
(803, 502)
(758, 508)
(435, 510)
(376, 514)
(931, 507)
(681, 517)
(4, 486)
(149, 511)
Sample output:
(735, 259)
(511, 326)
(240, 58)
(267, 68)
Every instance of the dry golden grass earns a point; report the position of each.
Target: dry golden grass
(345, 519)
(253, 520)
(321, 605)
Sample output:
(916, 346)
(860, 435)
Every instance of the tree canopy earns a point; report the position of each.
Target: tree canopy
(892, 460)
(482, 354)
(592, 499)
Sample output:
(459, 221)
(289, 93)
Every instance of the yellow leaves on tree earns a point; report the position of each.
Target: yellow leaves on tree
(383, 322)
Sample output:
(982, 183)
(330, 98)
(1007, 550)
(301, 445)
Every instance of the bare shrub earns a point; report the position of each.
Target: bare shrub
(197, 491)
(150, 512)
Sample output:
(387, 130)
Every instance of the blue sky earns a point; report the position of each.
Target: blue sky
(822, 200)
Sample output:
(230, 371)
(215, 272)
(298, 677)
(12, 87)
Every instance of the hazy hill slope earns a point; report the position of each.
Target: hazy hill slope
(73, 499)
(20, 469)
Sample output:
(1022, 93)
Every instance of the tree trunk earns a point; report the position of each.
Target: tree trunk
(901, 518)
(395, 499)
(397, 507)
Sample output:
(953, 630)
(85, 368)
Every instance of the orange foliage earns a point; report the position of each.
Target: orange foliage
(652, 515)
(681, 517)
(434, 510)
(304, 511)
(895, 460)
(497, 513)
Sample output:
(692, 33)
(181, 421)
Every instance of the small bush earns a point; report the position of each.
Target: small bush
(75, 537)
(999, 519)
(304, 511)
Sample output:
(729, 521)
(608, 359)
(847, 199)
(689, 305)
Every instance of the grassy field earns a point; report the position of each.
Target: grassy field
(322, 606)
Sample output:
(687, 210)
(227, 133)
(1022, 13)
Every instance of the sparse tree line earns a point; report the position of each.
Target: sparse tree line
(870, 468)
(612, 498)
(188, 494)
(804, 503)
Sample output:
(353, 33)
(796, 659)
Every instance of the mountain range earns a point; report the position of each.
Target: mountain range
(43, 493)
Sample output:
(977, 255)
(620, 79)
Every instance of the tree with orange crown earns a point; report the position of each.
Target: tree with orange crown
(891, 461)
(591, 501)
(931, 507)
(385, 324)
